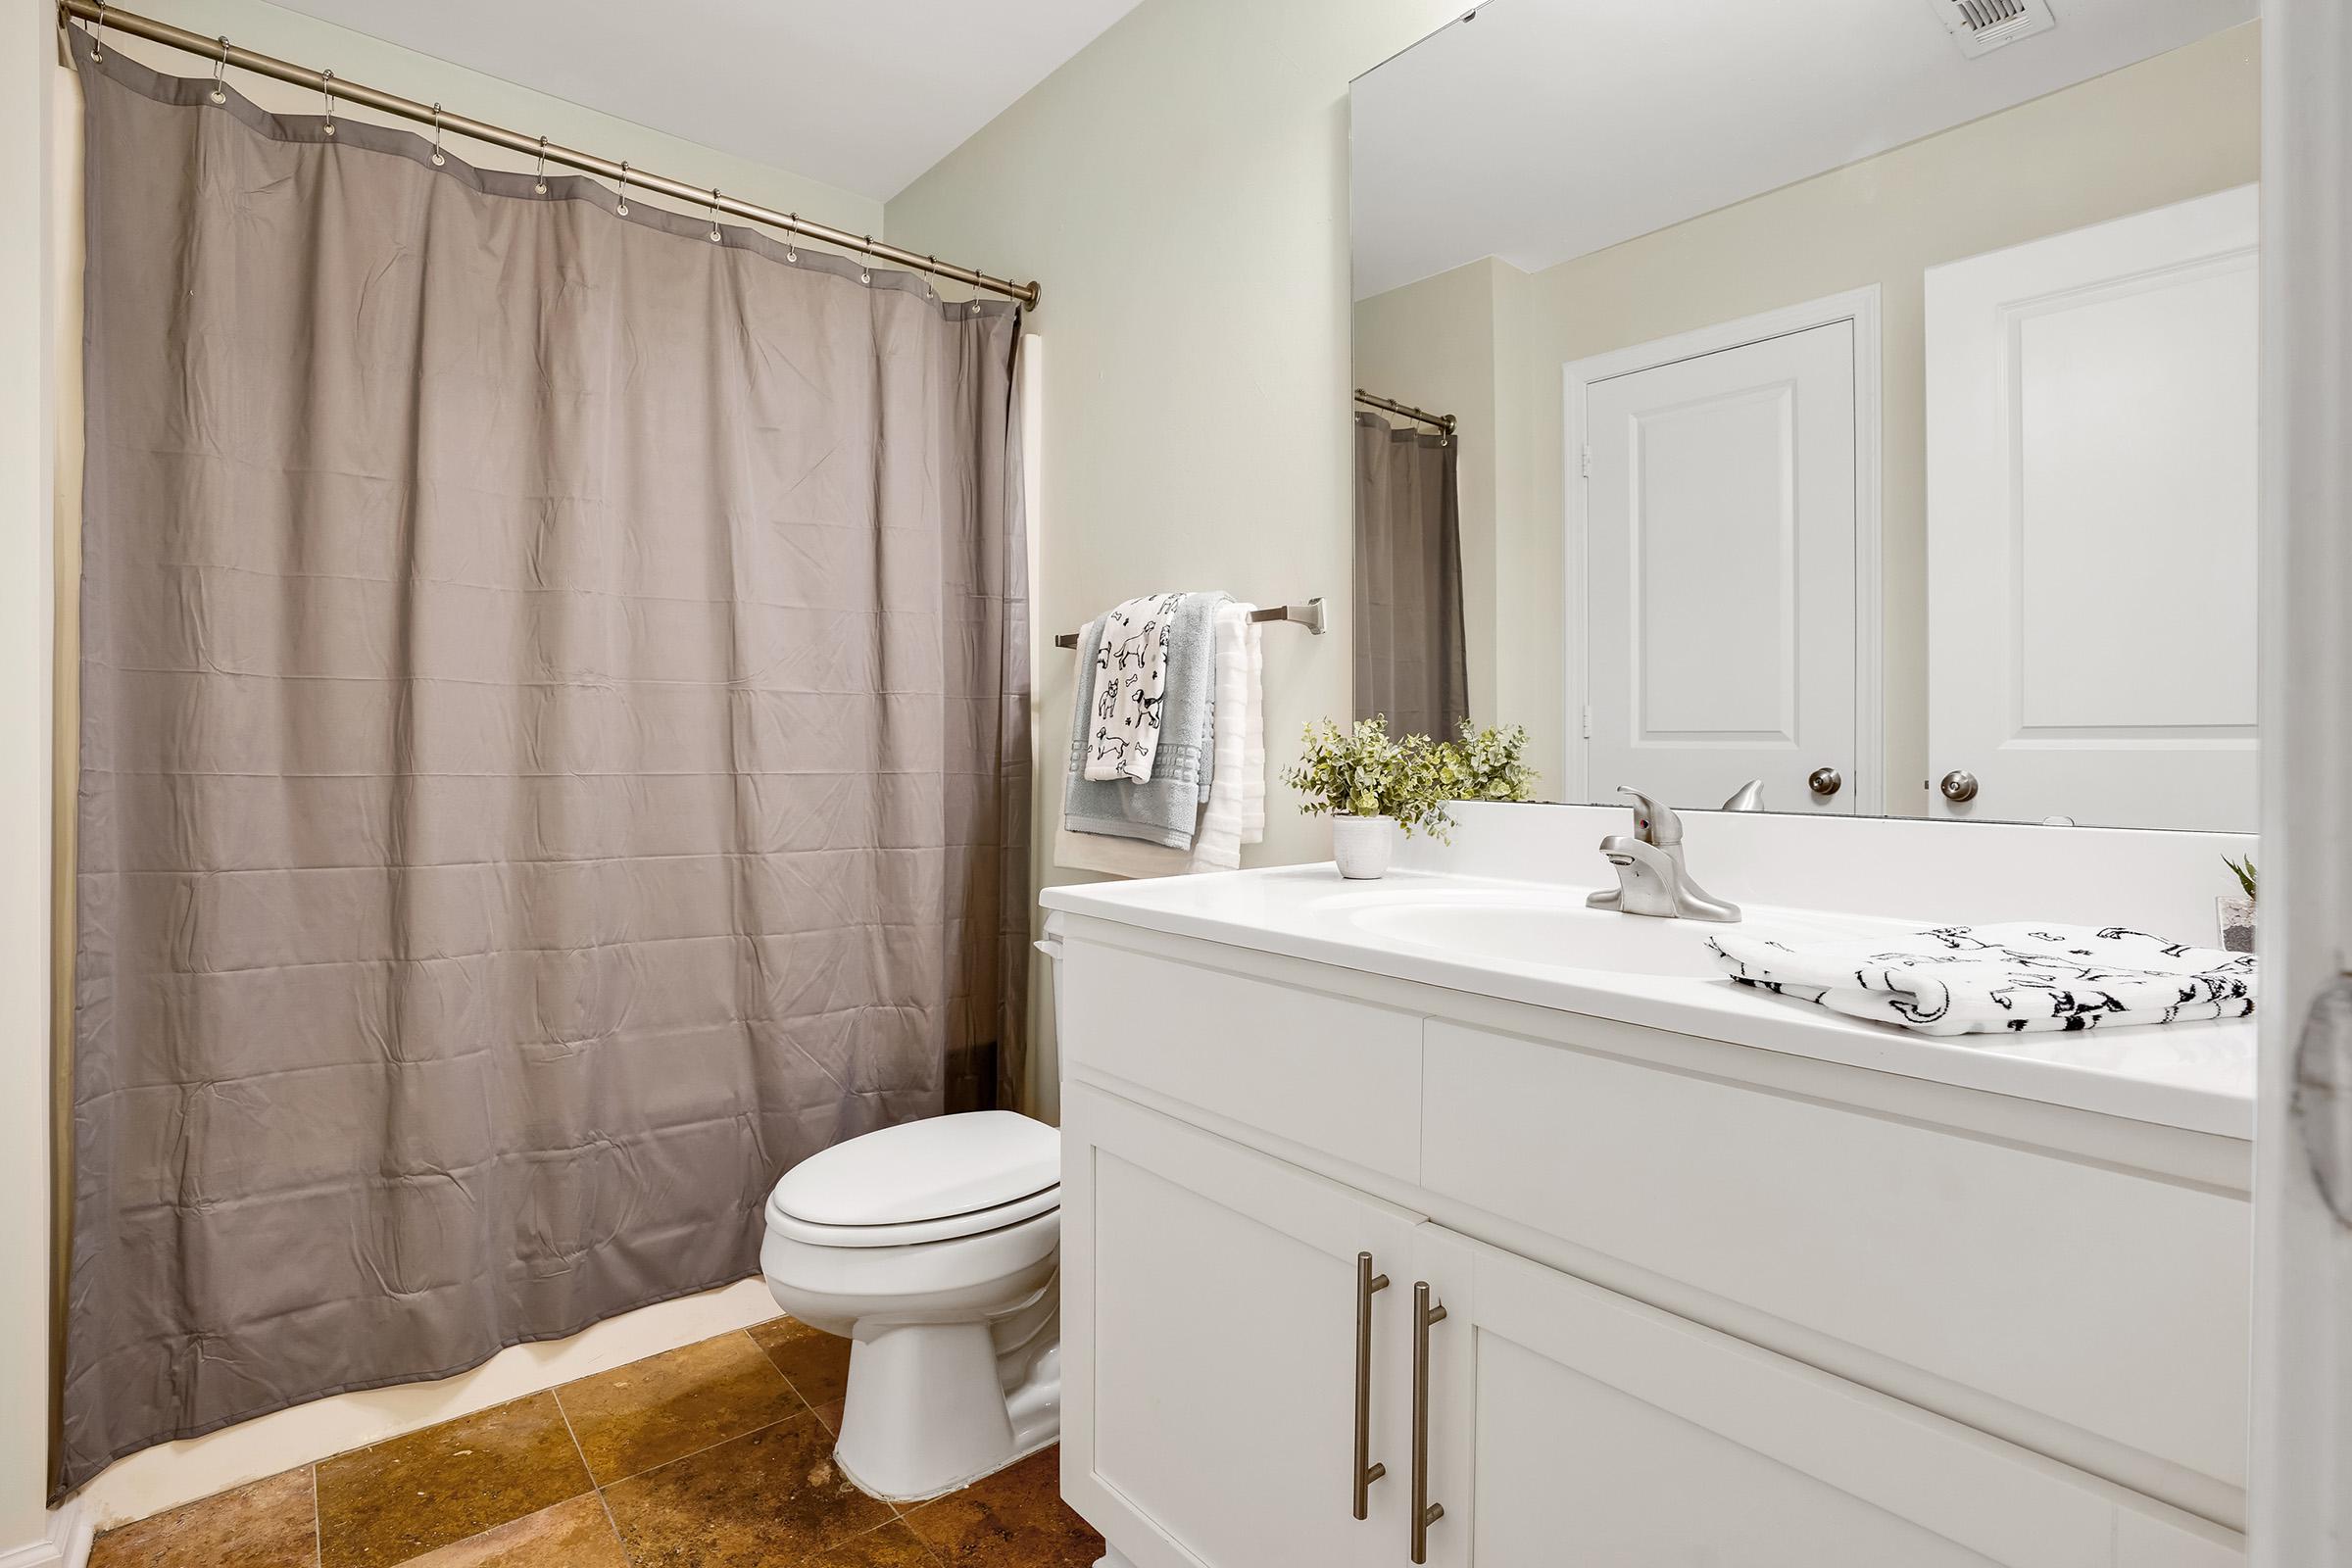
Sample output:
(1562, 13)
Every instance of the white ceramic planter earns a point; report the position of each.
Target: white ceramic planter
(2235, 917)
(1363, 845)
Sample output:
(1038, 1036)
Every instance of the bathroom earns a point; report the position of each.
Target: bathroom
(607, 971)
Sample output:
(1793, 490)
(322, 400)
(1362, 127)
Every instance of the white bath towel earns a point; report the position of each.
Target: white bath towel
(1235, 812)
(1131, 674)
(1989, 979)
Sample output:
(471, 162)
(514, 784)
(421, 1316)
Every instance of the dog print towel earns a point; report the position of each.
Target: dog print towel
(1131, 675)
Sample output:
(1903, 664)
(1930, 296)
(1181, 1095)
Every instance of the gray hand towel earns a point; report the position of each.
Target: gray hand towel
(1165, 809)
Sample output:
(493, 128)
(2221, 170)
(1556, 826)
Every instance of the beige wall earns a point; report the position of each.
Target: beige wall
(1180, 188)
(2180, 125)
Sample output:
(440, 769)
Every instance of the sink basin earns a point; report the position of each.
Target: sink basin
(1538, 928)
(1551, 929)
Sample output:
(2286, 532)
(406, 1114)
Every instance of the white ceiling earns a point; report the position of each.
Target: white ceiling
(1542, 129)
(864, 95)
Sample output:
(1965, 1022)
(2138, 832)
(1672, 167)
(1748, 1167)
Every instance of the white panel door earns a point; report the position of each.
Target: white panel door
(1208, 1321)
(1608, 1432)
(1719, 583)
(2090, 523)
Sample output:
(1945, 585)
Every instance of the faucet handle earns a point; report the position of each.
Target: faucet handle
(1653, 821)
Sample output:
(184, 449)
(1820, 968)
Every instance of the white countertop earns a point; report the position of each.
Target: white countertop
(2198, 1076)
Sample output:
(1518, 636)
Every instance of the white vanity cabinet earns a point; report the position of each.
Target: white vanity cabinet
(1683, 1321)
(1215, 1316)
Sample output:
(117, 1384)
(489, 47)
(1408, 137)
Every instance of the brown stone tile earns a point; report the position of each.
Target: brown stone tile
(769, 1500)
(1012, 1519)
(267, 1524)
(894, 1546)
(405, 1496)
(816, 1362)
(667, 1407)
(570, 1535)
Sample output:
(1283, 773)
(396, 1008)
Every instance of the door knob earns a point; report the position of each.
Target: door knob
(1959, 785)
(1824, 782)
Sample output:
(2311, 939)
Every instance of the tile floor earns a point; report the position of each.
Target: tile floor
(715, 1456)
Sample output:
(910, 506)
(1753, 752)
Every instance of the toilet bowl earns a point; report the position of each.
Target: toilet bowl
(932, 1247)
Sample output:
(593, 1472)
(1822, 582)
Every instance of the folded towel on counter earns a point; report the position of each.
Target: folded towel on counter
(1166, 808)
(1129, 688)
(1989, 979)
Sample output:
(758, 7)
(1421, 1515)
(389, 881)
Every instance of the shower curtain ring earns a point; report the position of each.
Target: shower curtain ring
(623, 208)
(715, 234)
(326, 85)
(221, 69)
(929, 272)
(792, 252)
(865, 274)
(438, 158)
(98, 35)
(539, 178)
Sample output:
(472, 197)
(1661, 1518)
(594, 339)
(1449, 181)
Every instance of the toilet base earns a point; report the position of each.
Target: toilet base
(934, 1407)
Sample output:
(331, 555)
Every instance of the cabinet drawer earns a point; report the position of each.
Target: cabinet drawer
(1609, 1432)
(1320, 1070)
(2110, 1301)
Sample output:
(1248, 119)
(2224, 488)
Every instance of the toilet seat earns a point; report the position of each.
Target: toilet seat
(922, 1181)
(907, 1233)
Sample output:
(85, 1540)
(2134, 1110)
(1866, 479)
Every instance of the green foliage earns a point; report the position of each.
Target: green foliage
(1361, 771)
(1484, 764)
(2245, 872)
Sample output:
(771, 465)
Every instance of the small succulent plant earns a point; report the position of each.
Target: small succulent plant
(2244, 868)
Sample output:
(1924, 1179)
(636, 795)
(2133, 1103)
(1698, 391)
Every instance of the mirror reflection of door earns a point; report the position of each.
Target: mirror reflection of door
(2090, 523)
(1729, 517)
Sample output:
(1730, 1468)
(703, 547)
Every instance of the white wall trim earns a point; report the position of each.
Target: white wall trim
(1858, 306)
(66, 1544)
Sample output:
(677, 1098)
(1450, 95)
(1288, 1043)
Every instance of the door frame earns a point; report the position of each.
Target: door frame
(2300, 1492)
(1858, 306)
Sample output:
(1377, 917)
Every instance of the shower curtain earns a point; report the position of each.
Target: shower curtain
(1411, 663)
(552, 750)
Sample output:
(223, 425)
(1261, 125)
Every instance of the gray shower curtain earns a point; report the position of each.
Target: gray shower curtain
(1411, 660)
(553, 751)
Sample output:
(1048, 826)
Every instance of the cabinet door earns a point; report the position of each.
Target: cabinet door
(1610, 1432)
(1209, 1327)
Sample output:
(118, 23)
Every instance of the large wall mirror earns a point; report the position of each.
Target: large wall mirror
(1857, 400)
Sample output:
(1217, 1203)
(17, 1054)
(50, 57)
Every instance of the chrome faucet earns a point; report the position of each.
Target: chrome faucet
(1652, 878)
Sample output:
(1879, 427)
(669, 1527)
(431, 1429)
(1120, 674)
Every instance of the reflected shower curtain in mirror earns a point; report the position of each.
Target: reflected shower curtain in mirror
(554, 750)
(1410, 658)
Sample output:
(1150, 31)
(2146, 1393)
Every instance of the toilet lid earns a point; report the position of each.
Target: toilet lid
(923, 1170)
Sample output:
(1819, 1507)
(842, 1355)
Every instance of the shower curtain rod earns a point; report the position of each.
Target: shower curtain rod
(702, 198)
(1444, 422)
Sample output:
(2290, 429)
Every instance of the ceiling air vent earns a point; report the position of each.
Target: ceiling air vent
(1979, 27)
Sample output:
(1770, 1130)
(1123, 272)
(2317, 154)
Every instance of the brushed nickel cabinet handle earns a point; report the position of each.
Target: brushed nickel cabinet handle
(1425, 1512)
(1367, 1284)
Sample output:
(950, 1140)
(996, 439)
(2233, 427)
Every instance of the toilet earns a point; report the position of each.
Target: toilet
(932, 1245)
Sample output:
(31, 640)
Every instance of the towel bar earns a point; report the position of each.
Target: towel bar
(1308, 615)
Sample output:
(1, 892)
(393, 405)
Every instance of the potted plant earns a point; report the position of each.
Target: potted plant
(1486, 764)
(1366, 781)
(2237, 914)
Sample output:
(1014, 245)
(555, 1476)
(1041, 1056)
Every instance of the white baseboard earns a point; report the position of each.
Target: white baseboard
(164, 1477)
(67, 1545)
